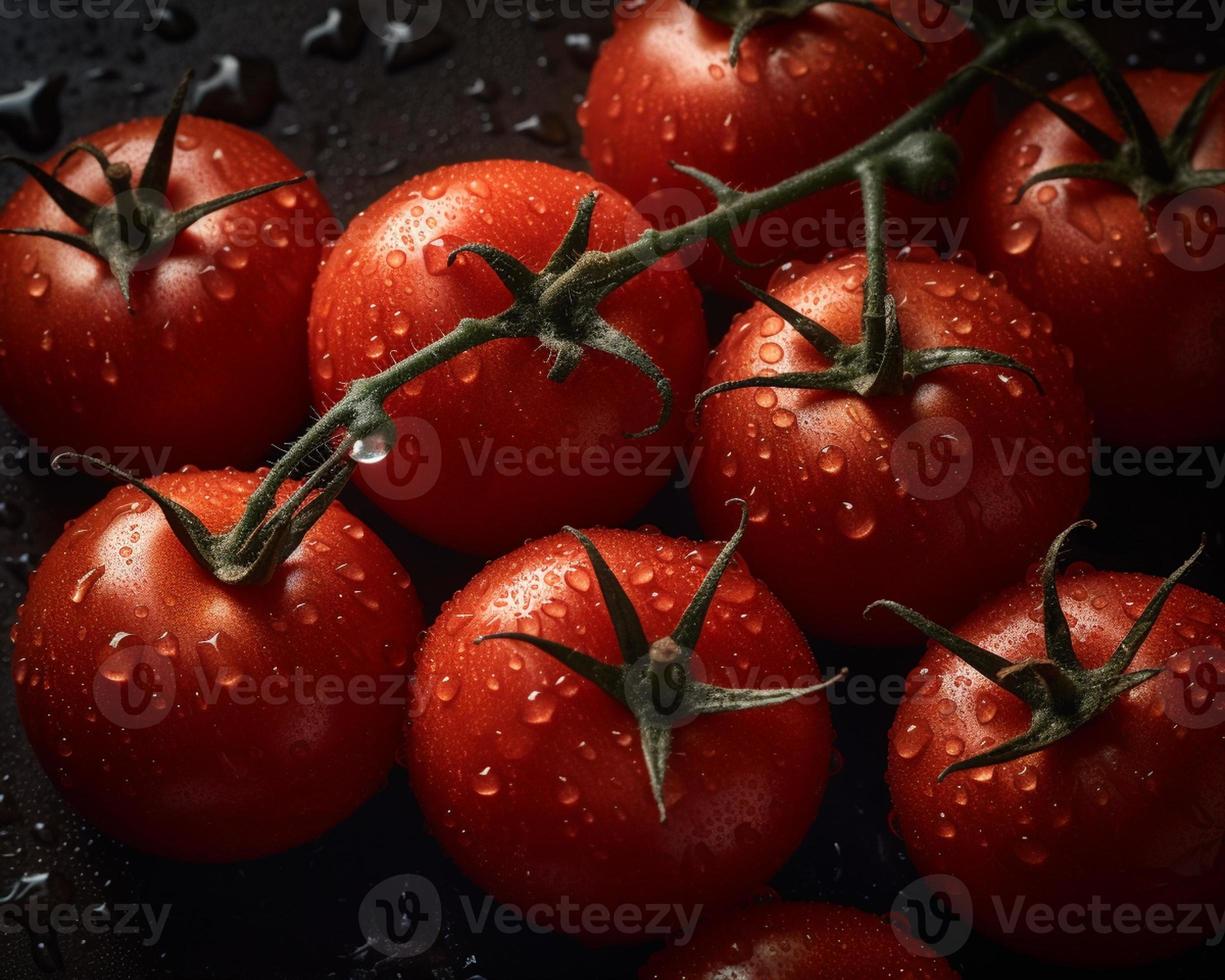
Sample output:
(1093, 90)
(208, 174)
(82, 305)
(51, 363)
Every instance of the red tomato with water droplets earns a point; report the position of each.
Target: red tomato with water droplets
(1138, 297)
(211, 368)
(805, 89)
(488, 425)
(1129, 809)
(931, 498)
(794, 941)
(205, 722)
(519, 763)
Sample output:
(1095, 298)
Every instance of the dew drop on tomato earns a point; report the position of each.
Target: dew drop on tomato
(912, 741)
(1021, 236)
(486, 782)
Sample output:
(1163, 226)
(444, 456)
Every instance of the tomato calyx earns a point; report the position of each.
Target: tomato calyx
(1063, 695)
(559, 306)
(250, 552)
(655, 681)
(138, 227)
(1149, 166)
(879, 364)
(743, 16)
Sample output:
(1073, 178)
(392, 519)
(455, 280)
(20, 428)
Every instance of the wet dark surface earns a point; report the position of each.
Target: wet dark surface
(365, 115)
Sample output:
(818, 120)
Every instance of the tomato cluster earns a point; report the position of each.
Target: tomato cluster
(622, 718)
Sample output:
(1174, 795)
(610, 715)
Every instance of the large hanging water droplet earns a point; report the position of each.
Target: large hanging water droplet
(375, 447)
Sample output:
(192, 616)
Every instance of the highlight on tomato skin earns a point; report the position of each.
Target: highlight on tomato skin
(227, 303)
(389, 288)
(206, 722)
(519, 763)
(1124, 812)
(927, 497)
(777, 940)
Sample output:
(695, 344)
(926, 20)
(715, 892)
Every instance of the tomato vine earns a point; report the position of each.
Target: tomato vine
(559, 306)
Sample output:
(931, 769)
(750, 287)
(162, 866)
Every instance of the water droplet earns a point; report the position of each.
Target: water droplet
(1031, 851)
(87, 582)
(855, 522)
(985, 710)
(1083, 214)
(306, 613)
(352, 571)
(218, 284)
(1021, 235)
(486, 782)
(240, 90)
(547, 128)
(539, 708)
(437, 253)
(911, 742)
(1028, 155)
(578, 580)
(831, 460)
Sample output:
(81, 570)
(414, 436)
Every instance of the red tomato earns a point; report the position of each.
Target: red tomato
(489, 426)
(804, 90)
(533, 778)
(794, 941)
(1127, 810)
(211, 368)
(206, 722)
(1139, 303)
(921, 496)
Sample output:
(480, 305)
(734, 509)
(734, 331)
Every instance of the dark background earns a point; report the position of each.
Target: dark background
(363, 130)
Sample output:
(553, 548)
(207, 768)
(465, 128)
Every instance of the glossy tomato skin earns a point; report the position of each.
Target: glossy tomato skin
(1128, 809)
(488, 425)
(804, 90)
(1148, 332)
(211, 369)
(519, 764)
(840, 515)
(794, 941)
(227, 763)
